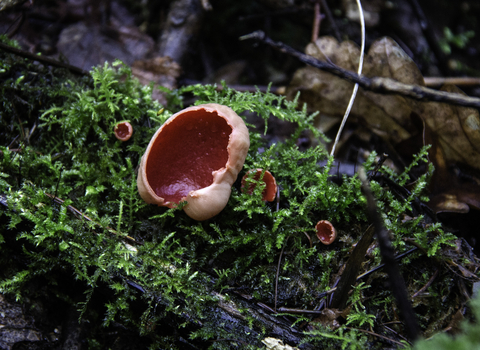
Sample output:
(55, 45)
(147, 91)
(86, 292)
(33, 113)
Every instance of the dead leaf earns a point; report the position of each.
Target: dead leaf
(323, 91)
(371, 11)
(448, 202)
(457, 130)
(162, 71)
(276, 344)
(458, 198)
(454, 324)
(387, 115)
(229, 73)
(89, 46)
(453, 131)
(329, 318)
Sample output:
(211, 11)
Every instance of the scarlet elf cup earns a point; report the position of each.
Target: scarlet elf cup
(195, 156)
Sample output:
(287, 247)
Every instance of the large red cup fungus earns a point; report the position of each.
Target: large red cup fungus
(326, 233)
(270, 190)
(123, 131)
(195, 156)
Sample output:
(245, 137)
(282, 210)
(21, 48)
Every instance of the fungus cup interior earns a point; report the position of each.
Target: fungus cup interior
(186, 153)
(270, 190)
(326, 233)
(123, 131)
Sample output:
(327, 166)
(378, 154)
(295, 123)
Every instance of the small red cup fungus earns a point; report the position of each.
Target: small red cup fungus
(195, 157)
(123, 131)
(326, 233)
(270, 190)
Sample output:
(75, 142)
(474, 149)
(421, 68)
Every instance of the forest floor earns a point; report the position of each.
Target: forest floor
(179, 43)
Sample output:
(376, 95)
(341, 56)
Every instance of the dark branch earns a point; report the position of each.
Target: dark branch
(376, 84)
(349, 275)
(45, 60)
(397, 283)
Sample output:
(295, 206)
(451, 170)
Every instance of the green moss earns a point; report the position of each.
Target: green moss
(177, 264)
(467, 338)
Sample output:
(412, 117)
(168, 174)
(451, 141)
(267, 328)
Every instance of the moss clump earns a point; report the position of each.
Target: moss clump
(159, 266)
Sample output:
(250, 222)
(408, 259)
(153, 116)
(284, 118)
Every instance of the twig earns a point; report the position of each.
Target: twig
(430, 36)
(322, 295)
(428, 284)
(379, 164)
(365, 274)
(355, 88)
(397, 283)
(349, 275)
(376, 84)
(330, 18)
(377, 335)
(45, 60)
(299, 311)
(317, 19)
(384, 325)
(278, 272)
(439, 81)
(78, 213)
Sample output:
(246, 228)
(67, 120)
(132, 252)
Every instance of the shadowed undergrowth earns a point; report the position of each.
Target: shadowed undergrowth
(71, 208)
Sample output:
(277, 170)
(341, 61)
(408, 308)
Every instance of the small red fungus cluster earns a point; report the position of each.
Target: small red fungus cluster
(123, 131)
(326, 233)
(270, 190)
(195, 156)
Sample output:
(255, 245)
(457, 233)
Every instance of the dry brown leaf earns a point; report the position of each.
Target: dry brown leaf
(323, 91)
(455, 198)
(86, 46)
(162, 71)
(453, 132)
(276, 344)
(386, 59)
(457, 130)
(449, 203)
(229, 73)
(329, 318)
(386, 115)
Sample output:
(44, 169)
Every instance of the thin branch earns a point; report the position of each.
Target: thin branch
(439, 81)
(428, 284)
(349, 274)
(278, 272)
(355, 88)
(377, 335)
(430, 36)
(45, 60)
(330, 18)
(317, 18)
(79, 214)
(396, 281)
(376, 84)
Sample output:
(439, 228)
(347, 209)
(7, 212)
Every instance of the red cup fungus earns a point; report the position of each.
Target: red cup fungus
(326, 233)
(270, 190)
(123, 131)
(195, 157)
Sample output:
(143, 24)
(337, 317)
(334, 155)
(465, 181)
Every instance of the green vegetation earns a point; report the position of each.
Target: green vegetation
(460, 40)
(57, 139)
(468, 338)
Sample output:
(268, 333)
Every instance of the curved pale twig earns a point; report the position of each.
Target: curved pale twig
(355, 88)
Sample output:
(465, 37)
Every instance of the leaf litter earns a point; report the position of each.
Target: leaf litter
(454, 131)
